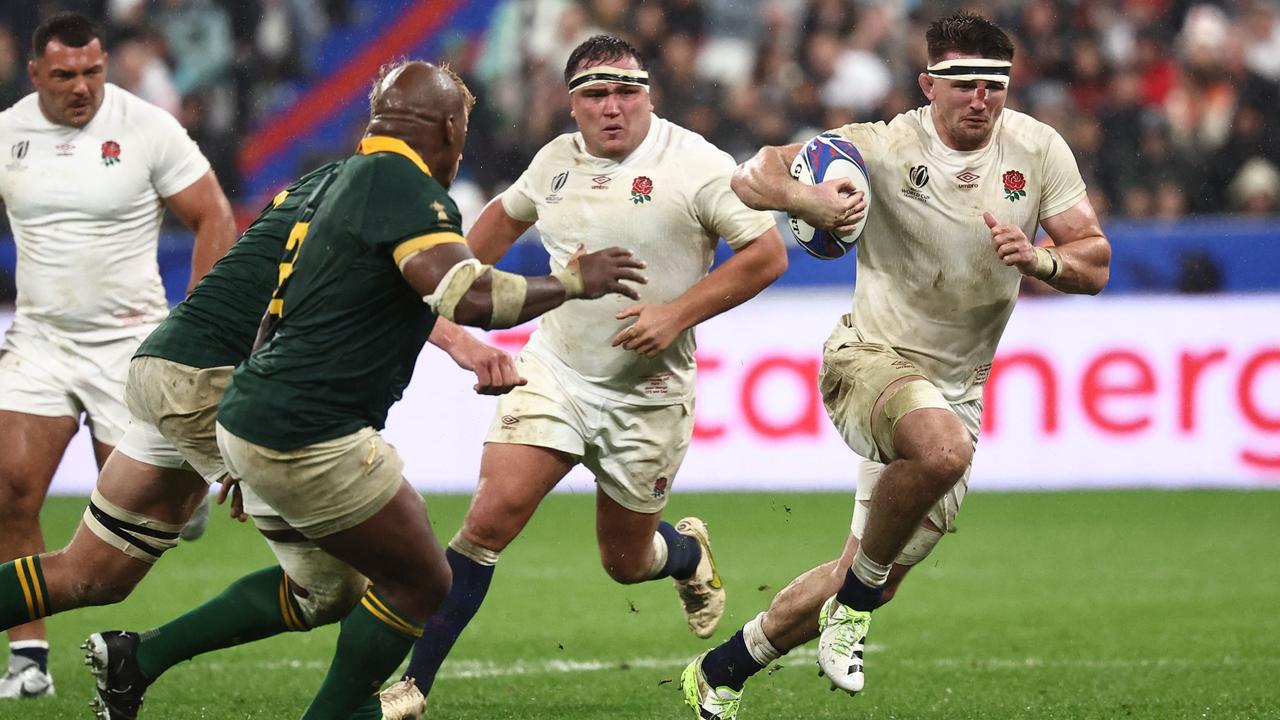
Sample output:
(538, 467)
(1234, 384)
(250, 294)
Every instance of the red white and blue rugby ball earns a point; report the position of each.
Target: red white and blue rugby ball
(827, 157)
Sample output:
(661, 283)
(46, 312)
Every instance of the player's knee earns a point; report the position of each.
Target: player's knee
(427, 588)
(20, 499)
(329, 600)
(624, 570)
(945, 462)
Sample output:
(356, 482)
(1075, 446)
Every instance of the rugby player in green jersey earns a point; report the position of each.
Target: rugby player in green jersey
(344, 328)
(162, 468)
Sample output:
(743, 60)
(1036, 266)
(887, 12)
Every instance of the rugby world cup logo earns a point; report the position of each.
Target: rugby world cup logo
(557, 182)
(19, 149)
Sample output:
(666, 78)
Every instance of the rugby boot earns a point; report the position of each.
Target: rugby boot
(702, 593)
(841, 644)
(121, 686)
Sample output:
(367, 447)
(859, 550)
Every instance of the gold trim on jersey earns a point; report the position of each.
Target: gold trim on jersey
(423, 242)
(279, 198)
(382, 143)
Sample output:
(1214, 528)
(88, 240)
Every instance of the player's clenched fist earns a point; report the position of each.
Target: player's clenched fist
(602, 272)
(1011, 245)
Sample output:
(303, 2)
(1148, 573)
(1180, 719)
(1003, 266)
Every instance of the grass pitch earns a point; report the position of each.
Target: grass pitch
(1085, 605)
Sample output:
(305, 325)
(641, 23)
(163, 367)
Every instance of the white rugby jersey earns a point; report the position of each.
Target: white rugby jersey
(929, 283)
(85, 208)
(669, 202)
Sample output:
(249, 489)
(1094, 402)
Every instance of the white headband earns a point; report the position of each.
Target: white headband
(969, 69)
(609, 74)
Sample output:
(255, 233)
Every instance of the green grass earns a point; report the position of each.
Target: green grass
(1089, 605)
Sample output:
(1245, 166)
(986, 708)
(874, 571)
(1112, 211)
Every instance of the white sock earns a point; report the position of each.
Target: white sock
(871, 573)
(660, 555)
(24, 644)
(762, 651)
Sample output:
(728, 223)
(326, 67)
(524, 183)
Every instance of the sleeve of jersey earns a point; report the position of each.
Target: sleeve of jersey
(718, 207)
(517, 200)
(407, 211)
(1063, 186)
(176, 159)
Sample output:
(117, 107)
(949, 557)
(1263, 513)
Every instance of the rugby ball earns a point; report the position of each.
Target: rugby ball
(826, 157)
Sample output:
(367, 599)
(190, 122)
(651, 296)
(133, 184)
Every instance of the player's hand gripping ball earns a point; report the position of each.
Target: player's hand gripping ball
(827, 157)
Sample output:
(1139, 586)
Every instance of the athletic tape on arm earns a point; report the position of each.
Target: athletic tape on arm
(453, 286)
(507, 292)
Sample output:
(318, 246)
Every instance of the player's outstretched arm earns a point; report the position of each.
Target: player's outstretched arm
(495, 370)
(204, 209)
(494, 232)
(764, 183)
(751, 269)
(460, 289)
(1079, 261)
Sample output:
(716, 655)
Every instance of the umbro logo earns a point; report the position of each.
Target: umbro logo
(968, 179)
(600, 182)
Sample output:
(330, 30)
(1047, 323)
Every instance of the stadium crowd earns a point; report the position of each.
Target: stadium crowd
(1171, 106)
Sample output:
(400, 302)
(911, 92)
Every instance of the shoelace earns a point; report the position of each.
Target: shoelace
(847, 634)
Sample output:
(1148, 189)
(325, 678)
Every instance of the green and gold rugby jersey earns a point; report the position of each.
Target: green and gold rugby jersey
(348, 326)
(216, 324)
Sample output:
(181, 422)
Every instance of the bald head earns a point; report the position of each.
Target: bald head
(426, 106)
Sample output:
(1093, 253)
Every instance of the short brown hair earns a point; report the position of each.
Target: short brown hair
(968, 33)
(69, 28)
(600, 48)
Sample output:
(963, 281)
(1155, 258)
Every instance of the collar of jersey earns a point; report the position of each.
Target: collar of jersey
(383, 143)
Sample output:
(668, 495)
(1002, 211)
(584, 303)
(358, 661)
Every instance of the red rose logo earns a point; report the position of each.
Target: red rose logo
(641, 188)
(110, 152)
(1014, 185)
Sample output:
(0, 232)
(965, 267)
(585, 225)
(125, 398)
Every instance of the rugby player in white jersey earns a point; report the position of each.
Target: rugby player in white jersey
(610, 384)
(89, 172)
(959, 186)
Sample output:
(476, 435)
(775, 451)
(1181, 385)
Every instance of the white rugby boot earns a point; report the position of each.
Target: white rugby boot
(841, 644)
(403, 701)
(702, 593)
(24, 680)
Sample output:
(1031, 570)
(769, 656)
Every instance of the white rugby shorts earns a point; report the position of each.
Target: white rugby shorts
(45, 373)
(634, 451)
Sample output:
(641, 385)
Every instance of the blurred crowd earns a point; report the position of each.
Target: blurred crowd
(1172, 106)
(217, 65)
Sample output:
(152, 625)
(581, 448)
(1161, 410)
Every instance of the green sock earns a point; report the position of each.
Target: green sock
(256, 606)
(374, 640)
(23, 594)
